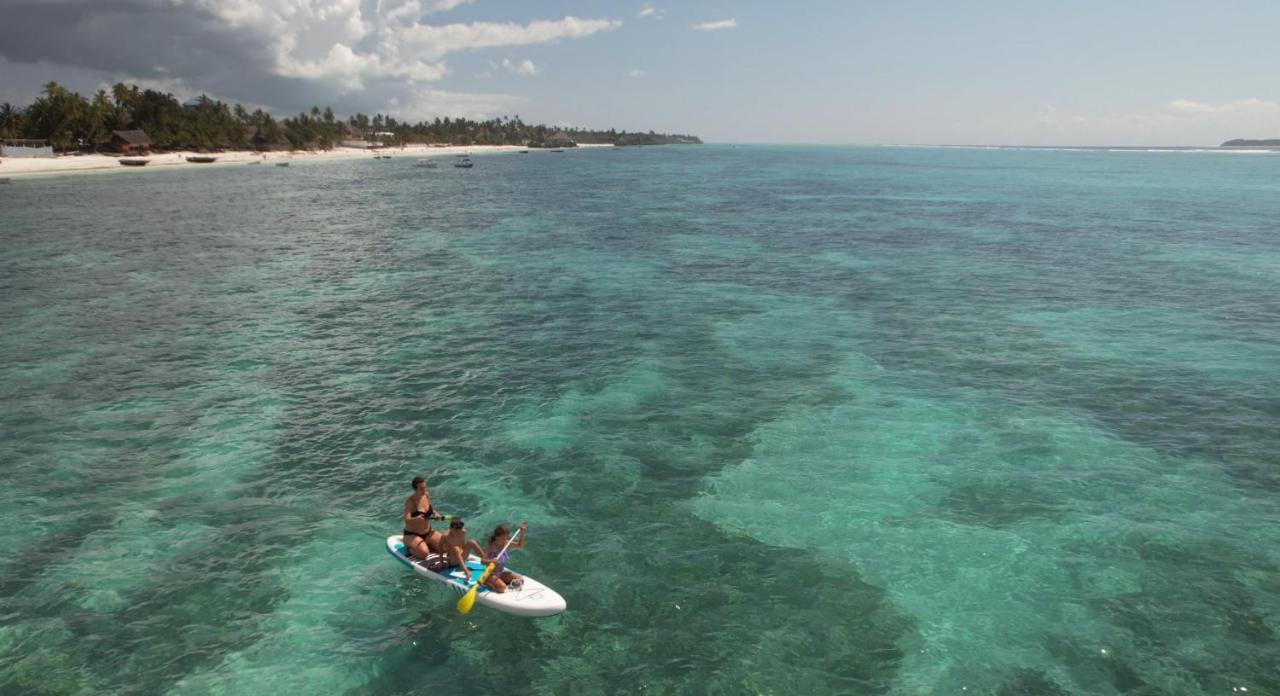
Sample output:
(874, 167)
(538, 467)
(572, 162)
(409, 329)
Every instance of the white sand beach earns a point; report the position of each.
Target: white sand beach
(13, 167)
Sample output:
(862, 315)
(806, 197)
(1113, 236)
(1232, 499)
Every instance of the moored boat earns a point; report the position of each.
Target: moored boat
(134, 161)
(464, 163)
(427, 163)
(202, 159)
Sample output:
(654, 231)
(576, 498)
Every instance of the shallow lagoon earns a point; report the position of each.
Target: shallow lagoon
(860, 420)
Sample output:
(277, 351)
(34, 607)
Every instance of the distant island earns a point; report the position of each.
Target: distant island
(1240, 142)
(127, 118)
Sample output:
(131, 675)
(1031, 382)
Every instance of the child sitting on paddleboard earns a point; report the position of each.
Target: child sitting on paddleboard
(501, 578)
(456, 545)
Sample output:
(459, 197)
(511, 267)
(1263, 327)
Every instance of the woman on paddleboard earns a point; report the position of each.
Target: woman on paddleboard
(495, 552)
(419, 538)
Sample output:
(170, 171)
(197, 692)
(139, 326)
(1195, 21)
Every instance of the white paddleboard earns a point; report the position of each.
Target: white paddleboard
(531, 599)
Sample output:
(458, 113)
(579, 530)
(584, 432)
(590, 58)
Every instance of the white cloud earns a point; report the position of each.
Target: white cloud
(717, 25)
(1177, 122)
(444, 5)
(435, 41)
(343, 42)
(1235, 106)
(637, 72)
(524, 67)
(651, 12)
(428, 104)
(352, 54)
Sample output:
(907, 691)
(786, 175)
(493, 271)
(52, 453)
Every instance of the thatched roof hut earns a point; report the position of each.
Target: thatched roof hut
(561, 139)
(131, 142)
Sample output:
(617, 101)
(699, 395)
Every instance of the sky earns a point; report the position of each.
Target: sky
(1084, 72)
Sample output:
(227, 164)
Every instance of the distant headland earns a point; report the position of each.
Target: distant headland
(1240, 142)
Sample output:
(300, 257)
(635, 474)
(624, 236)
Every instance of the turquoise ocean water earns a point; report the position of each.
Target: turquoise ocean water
(781, 420)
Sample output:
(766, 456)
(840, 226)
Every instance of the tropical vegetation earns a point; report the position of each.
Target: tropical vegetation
(70, 121)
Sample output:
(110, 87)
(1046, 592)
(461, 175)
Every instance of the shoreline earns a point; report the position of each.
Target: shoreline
(23, 167)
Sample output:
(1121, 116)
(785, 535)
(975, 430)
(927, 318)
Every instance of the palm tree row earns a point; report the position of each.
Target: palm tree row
(70, 121)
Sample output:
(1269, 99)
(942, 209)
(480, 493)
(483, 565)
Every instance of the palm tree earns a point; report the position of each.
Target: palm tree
(10, 121)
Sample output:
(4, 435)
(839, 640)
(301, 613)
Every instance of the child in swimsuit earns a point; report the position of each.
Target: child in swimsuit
(455, 547)
(501, 578)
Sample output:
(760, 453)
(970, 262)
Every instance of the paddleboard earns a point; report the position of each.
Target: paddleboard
(531, 599)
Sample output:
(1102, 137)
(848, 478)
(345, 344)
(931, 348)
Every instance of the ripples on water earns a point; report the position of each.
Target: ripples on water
(781, 420)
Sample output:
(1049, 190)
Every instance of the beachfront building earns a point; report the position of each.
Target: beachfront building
(262, 141)
(561, 139)
(131, 142)
(354, 137)
(21, 147)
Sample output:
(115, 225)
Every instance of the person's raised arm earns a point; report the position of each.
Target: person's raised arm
(519, 543)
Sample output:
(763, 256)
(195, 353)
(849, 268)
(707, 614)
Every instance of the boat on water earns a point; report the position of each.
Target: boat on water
(202, 159)
(256, 162)
(134, 161)
(464, 163)
(427, 163)
(532, 598)
(524, 152)
(282, 164)
(557, 150)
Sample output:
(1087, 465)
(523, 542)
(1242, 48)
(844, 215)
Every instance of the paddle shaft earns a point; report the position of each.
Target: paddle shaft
(489, 569)
(468, 600)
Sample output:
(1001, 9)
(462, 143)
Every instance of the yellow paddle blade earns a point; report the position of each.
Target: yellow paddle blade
(468, 600)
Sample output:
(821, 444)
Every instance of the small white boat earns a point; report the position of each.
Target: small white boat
(463, 164)
(531, 599)
(425, 163)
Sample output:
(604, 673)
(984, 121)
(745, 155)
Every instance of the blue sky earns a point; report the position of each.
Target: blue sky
(819, 71)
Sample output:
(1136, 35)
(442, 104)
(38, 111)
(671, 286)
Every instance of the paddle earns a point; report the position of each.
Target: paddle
(468, 600)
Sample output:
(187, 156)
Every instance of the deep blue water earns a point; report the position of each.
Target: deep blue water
(781, 420)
